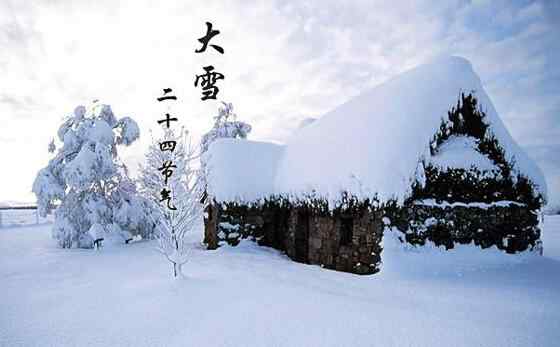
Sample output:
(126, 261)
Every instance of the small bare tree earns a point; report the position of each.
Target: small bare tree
(177, 198)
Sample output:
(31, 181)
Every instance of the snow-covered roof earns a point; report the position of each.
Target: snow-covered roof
(369, 145)
(242, 170)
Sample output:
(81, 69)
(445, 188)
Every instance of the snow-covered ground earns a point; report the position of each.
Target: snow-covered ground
(22, 217)
(255, 296)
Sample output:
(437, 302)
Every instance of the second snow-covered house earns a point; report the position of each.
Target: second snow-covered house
(425, 153)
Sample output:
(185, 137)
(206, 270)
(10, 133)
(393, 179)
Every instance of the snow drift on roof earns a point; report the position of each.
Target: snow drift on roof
(461, 152)
(372, 143)
(241, 170)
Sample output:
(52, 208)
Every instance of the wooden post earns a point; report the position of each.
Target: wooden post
(36, 216)
(211, 226)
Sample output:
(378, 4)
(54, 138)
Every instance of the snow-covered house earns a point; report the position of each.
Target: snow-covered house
(424, 152)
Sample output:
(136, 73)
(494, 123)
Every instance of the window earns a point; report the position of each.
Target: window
(346, 226)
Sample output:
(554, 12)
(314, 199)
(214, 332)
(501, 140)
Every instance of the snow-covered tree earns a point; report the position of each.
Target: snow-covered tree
(87, 184)
(226, 125)
(177, 198)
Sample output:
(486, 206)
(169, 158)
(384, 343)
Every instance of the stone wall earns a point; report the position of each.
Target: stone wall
(513, 228)
(314, 236)
(304, 234)
(361, 255)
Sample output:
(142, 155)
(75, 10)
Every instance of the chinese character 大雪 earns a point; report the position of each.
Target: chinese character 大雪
(207, 81)
(206, 39)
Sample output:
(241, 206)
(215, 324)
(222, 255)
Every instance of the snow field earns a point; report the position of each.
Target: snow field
(255, 296)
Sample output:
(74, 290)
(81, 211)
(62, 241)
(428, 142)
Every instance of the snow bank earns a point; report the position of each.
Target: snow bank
(248, 296)
(460, 152)
(372, 143)
(242, 170)
(482, 205)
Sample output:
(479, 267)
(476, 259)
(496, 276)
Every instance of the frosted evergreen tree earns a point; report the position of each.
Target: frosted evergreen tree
(226, 125)
(175, 197)
(87, 184)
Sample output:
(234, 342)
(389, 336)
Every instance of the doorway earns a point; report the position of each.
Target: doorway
(302, 236)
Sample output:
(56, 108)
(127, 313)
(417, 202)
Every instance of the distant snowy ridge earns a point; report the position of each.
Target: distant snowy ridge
(13, 203)
(368, 146)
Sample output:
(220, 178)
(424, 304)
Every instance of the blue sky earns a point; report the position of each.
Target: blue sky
(284, 61)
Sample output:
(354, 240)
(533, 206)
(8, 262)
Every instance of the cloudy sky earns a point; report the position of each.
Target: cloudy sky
(284, 61)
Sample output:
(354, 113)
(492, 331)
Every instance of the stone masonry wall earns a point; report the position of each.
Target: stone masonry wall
(362, 255)
(513, 228)
(308, 236)
(304, 235)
